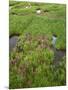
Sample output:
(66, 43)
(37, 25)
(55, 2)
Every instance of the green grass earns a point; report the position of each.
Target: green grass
(31, 64)
(47, 23)
(18, 24)
(31, 61)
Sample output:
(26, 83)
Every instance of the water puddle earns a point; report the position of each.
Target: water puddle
(54, 38)
(58, 54)
(12, 42)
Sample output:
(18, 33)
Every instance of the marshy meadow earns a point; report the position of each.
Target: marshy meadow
(37, 44)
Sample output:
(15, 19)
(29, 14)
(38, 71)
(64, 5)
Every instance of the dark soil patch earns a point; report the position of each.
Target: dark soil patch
(46, 10)
(12, 35)
(14, 13)
(21, 14)
(38, 9)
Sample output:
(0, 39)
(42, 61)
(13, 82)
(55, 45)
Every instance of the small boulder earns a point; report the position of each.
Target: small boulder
(38, 11)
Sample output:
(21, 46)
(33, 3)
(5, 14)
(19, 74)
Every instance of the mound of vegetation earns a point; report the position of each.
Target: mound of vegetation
(31, 63)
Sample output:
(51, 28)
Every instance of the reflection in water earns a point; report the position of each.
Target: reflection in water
(54, 38)
(58, 54)
(12, 42)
